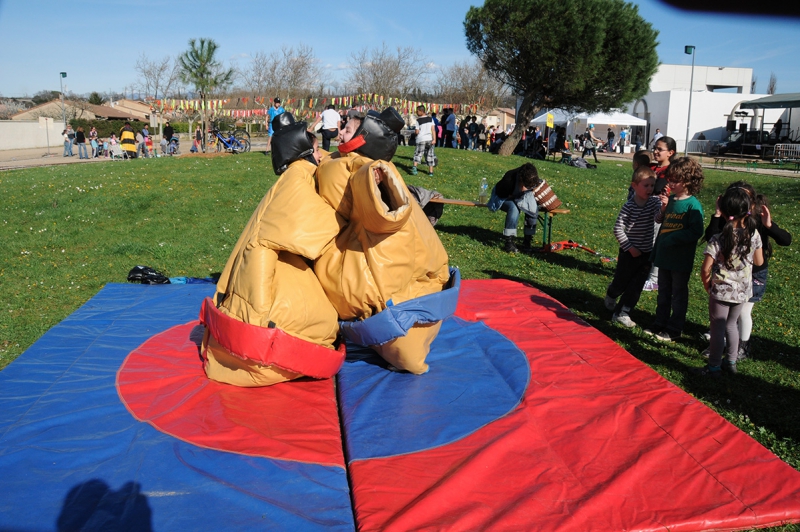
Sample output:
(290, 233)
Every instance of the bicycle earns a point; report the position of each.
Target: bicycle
(237, 141)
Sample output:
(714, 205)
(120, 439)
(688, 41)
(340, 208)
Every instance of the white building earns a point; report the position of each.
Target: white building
(716, 95)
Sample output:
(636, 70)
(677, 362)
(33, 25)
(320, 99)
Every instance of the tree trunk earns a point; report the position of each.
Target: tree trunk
(524, 116)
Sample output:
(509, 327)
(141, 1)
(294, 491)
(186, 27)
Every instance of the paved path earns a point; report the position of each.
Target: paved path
(14, 159)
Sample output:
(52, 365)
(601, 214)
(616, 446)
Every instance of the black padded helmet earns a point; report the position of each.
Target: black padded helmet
(290, 142)
(380, 132)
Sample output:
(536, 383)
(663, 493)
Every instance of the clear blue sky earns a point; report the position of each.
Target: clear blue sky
(97, 41)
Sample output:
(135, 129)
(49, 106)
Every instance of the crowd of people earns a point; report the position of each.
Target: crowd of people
(132, 143)
(658, 229)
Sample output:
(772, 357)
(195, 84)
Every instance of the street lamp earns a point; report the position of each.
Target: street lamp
(689, 50)
(63, 109)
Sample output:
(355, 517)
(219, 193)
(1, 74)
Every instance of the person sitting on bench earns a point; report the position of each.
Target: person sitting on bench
(510, 195)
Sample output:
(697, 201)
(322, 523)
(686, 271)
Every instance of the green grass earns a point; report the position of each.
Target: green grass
(68, 230)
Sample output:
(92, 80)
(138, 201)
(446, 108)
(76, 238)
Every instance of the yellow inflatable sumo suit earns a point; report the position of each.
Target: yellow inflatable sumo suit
(387, 252)
(270, 321)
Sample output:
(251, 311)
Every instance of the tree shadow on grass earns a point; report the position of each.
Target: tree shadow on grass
(767, 403)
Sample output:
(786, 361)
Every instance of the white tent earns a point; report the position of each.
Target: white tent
(616, 118)
(576, 123)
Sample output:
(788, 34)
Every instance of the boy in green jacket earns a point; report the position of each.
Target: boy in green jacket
(681, 219)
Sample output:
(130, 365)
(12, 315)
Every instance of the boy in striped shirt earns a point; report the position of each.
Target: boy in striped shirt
(634, 230)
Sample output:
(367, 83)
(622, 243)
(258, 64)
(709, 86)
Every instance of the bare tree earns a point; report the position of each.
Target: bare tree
(299, 72)
(158, 77)
(772, 85)
(469, 82)
(289, 72)
(383, 71)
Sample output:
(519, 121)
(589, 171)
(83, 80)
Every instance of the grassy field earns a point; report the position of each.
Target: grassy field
(68, 230)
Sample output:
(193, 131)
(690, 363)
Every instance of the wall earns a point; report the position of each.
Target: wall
(21, 134)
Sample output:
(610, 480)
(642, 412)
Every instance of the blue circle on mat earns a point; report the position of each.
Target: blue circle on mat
(476, 376)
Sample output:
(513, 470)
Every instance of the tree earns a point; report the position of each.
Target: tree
(577, 55)
(199, 67)
(772, 84)
(45, 96)
(96, 99)
(382, 71)
(157, 77)
(470, 82)
(287, 73)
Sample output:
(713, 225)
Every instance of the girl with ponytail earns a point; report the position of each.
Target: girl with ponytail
(726, 273)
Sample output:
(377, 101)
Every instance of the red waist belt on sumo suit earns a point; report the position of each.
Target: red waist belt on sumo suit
(271, 346)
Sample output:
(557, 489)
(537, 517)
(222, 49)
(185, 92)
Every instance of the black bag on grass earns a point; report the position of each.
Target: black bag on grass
(147, 275)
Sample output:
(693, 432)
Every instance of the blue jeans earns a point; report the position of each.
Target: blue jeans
(67, 151)
(673, 295)
(82, 152)
(526, 204)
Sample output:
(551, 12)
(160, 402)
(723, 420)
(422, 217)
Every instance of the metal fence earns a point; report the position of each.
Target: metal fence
(787, 152)
(702, 147)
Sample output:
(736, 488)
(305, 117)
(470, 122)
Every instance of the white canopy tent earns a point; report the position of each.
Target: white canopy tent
(576, 123)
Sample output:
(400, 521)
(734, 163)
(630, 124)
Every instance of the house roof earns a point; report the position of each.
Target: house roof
(99, 111)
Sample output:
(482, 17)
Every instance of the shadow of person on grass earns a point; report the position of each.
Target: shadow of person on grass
(93, 506)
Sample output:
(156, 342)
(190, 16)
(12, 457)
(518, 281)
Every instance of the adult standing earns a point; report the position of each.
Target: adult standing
(143, 145)
(168, 132)
(426, 138)
(656, 136)
(275, 110)
(127, 139)
(198, 139)
(331, 125)
(449, 127)
(623, 140)
(590, 143)
(71, 139)
(473, 133)
(463, 133)
(80, 140)
(610, 138)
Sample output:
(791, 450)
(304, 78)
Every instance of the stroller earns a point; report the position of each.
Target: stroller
(174, 145)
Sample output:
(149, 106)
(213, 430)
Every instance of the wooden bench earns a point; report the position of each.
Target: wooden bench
(545, 217)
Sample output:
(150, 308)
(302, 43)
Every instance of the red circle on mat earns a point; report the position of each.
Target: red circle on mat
(162, 383)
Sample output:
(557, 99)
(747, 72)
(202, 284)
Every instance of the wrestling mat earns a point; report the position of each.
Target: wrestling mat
(529, 419)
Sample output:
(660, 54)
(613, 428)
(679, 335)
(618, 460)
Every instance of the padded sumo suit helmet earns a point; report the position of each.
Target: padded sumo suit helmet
(290, 142)
(376, 138)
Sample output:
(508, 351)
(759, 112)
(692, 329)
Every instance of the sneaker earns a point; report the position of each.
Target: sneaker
(509, 245)
(706, 336)
(666, 336)
(610, 302)
(707, 371)
(650, 331)
(624, 320)
(650, 286)
(729, 367)
(430, 174)
(413, 170)
(706, 352)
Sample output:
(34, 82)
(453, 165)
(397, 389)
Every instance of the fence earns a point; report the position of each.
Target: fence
(787, 152)
(702, 147)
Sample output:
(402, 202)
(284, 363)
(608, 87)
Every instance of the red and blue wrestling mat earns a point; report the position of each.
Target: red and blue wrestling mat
(529, 419)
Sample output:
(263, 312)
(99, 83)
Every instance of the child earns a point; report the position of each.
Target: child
(634, 230)
(726, 274)
(681, 219)
(767, 229)
(641, 158)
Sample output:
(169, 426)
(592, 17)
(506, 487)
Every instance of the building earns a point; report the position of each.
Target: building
(716, 92)
(81, 110)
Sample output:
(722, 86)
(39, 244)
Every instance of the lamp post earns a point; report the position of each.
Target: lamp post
(63, 109)
(689, 50)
